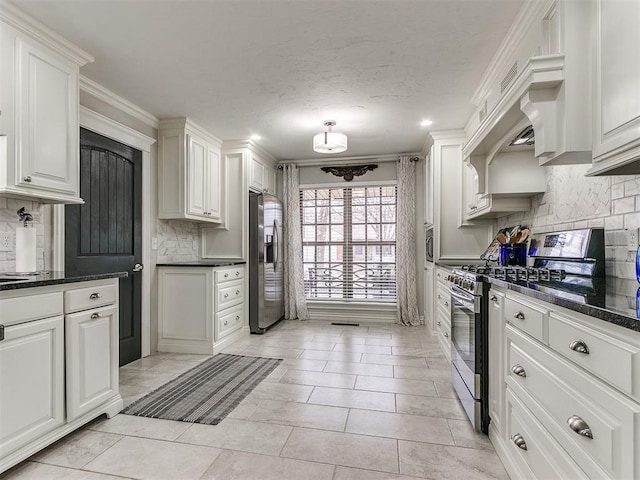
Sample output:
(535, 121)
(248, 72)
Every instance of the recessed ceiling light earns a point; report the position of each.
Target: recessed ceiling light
(255, 137)
(426, 123)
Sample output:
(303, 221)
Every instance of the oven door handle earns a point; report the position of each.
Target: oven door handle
(464, 300)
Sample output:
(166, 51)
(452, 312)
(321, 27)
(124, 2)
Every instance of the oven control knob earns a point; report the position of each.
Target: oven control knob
(464, 284)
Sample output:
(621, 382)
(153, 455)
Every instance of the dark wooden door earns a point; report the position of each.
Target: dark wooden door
(105, 234)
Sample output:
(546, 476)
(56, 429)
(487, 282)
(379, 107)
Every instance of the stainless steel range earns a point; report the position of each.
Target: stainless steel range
(565, 263)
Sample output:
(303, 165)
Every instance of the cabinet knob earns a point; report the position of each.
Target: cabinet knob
(226, 275)
(519, 370)
(96, 315)
(579, 426)
(95, 296)
(237, 317)
(446, 304)
(519, 441)
(579, 346)
(438, 323)
(439, 296)
(27, 179)
(446, 335)
(226, 295)
(493, 298)
(237, 274)
(237, 292)
(226, 322)
(519, 315)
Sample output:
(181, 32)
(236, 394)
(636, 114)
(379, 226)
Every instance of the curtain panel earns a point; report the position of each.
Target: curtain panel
(407, 304)
(295, 304)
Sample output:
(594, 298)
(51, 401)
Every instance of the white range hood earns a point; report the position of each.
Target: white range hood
(539, 77)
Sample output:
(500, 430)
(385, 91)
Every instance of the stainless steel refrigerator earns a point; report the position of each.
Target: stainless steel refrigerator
(266, 288)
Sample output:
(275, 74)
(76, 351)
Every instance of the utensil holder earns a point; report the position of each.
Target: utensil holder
(513, 254)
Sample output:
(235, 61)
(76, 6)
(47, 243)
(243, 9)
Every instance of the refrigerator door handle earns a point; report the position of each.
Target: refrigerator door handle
(276, 241)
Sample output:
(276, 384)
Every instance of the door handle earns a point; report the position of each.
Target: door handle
(138, 267)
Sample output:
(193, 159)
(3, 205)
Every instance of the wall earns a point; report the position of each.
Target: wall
(575, 201)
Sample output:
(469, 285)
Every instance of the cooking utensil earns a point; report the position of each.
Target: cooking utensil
(502, 238)
(524, 234)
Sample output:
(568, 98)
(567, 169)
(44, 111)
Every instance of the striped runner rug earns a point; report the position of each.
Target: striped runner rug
(206, 393)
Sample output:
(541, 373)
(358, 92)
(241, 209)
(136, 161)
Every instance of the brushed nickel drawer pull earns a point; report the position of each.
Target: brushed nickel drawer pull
(519, 315)
(439, 296)
(226, 275)
(27, 179)
(519, 370)
(95, 296)
(237, 292)
(96, 315)
(226, 323)
(493, 298)
(226, 295)
(446, 304)
(237, 273)
(237, 317)
(579, 346)
(446, 335)
(579, 426)
(439, 323)
(519, 441)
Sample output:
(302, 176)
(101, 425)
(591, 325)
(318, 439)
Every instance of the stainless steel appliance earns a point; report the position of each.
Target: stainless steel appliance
(469, 329)
(566, 263)
(266, 293)
(428, 244)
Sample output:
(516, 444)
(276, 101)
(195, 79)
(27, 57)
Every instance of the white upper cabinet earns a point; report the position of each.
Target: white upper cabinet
(262, 173)
(616, 132)
(189, 172)
(428, 188)
(39, 152)
(454, 240)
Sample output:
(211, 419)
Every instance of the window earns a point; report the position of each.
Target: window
(349, 243)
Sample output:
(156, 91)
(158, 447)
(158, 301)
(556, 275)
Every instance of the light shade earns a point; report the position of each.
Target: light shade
(329, 142)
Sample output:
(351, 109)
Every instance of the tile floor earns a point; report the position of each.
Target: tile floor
(371, 402)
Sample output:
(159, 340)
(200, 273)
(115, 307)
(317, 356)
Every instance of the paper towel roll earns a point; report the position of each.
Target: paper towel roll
(25, 249)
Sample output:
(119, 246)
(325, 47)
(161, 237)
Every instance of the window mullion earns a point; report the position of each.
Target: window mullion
(347, 266)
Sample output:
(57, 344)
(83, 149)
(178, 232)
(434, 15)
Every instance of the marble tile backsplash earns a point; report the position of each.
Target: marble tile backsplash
(178, 241)
(575, 201)
(9, 223)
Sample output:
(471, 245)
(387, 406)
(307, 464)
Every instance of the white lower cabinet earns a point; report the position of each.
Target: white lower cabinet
(92, 359)
(201, 309)
(58, 363)
(32, 382)
(565, 404)
(443, 312)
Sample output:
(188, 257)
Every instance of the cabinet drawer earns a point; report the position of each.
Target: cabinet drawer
(229, 274)
(542, 454)
(32, 307)
(611, 359)
(443, 299)
(229, 321)
(557, 392)
(229, 294)
(526, 317)
(443, 328)
(90, 297)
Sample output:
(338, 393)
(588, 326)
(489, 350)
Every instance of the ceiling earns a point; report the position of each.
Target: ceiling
(281, 68)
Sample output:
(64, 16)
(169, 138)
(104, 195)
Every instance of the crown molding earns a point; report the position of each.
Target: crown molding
(250, 145)
(27, 25)
(448, 134)
(101, 93)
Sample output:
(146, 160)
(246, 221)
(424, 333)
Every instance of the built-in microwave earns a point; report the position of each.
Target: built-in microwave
(428, 243)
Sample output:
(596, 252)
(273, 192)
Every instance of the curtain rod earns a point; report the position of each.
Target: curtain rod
(348, 161)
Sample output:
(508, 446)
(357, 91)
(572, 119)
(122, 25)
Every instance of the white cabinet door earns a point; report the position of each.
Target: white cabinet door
(496, 359)
(270, 181)
(197, 180)
(92, 359)
(256, 174)
(428, 188)
(617, 108)
(429, 293)
(214, 185)
(31, 382)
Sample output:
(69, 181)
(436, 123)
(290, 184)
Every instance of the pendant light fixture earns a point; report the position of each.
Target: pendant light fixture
(328, 141)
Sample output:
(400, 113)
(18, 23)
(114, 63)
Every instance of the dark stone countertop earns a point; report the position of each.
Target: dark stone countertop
(50, 278)
(611, 299)
(210, 262)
